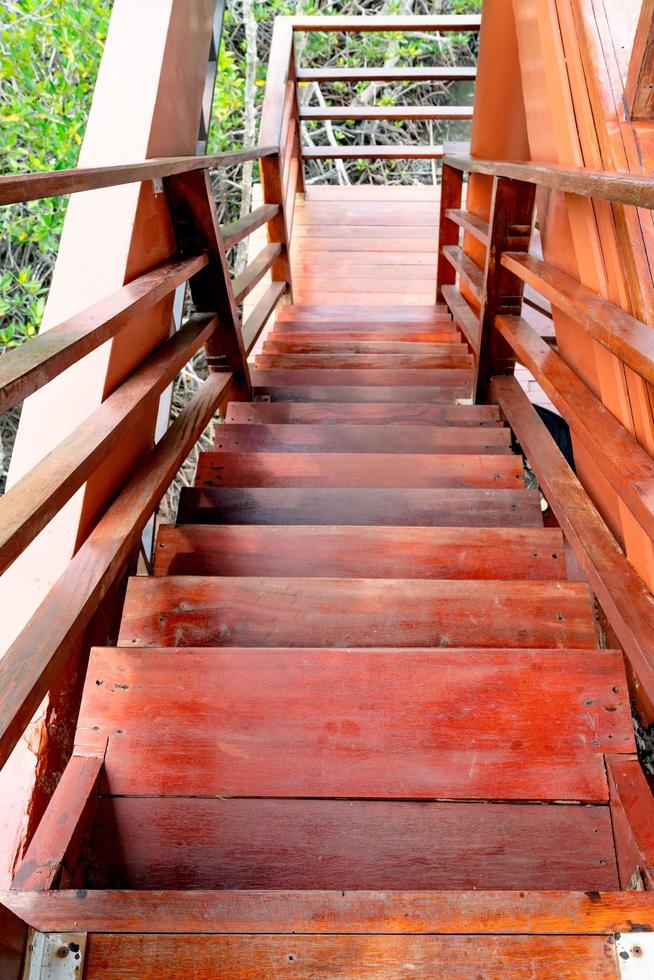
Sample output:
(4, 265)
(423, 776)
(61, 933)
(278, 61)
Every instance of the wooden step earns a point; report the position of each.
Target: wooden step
(334, 413)
(444, 333)
(349, 844)
(268, 384)
(359, 362)
(374, 377)
(342, 723)
(386, 507)
(333, 311)
(361, 439)
(327, 612)
(290, 345)
(351, 469)
(360, 552)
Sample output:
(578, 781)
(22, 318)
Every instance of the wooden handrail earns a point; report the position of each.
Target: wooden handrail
(410, 74)
(619, 188)
(18, 188)
(261, 314)
(34, 660)
(243, 227)
(393, 112)
(39, 360)
(255, 271)
(34, 500)
(436, 24)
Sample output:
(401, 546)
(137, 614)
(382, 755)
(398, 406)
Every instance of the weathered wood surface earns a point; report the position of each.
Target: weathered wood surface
(344, 413)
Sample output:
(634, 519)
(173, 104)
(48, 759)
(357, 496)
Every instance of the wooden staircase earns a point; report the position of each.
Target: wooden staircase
(359, 669)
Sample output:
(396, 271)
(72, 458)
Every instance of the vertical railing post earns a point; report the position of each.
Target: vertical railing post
(193, 212)
(280, 69)
(448, 232)
(511, 216)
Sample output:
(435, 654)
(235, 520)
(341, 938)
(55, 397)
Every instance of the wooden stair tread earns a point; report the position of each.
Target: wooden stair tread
(344, 362)
(292, 345)
(397, 377)
(360, 552)
(352, 413)
(408, 507)
(335, 312)
(349, 844)
(351, 469)
(361, 439)
(294, 389)
(445, 333)
(373, 724)
(333, 612)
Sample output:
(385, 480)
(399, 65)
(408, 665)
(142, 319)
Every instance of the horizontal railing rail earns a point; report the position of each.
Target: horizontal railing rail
(486, 300)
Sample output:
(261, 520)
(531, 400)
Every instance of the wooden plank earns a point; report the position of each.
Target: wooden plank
(13, 944)
(511, 219)
(36, 657)
(236, 231)
(288, 344)
(368, 724)
(383, 957)
(352, 469)
(360, 552)
(15, 188)
(52, 858)
(431, 508)
(638, 94)
(351, 845)
(42, 358)
(371, 192)
(445, 333)
(623, 596)
(373, 152)
(357, 393)
(335, 413)
(34, 500)
(622, 334)
(464, 316)
(457, 358)
(376, 112)
(632, 813)
(379, 276)
(262, 312)
(244, 283)
(355, 612)
(625, 464)
(470, 223)
(607, 185)
(402, 23)
(400, 377)
(346, 314)
(367, 243)
(395, 912)
(357, 439)
(313, 256)
(309, 292)
(463, 265)
(436, 73)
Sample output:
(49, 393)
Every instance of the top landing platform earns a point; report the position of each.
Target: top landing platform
(365, 245)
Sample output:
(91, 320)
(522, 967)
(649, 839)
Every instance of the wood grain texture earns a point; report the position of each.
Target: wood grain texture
(377, 112)
(261, 611)
(333, 361)
(396, 377)
(442, 333)
(360, 552)
(464, 316)
(464, 267)
(356, 506)
(304, 345)
(344, 413)
(374, 724)
(388, 74)
(295, 390)
(243, 844)
(632, 814)
(353, 438)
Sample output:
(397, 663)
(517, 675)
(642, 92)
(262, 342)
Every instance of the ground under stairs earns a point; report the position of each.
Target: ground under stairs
(360, 663)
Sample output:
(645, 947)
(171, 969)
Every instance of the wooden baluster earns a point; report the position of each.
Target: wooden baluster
(448, 231)
(511, 215)
(192, 208)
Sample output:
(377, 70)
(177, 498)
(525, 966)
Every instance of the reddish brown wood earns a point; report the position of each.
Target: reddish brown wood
(470, 223)
(356, 392)
(29, 367)
(244, 283)
(360, 552)
(361, 439)
(53, 855)
(439, 23)
(624, 598)
(13, 944)
(308, 844)
(456, 359)
(34, 500)
(341, 912)
(335, 413)
(355, 612)
(335, 313)
(307, 344)
(236, 231)
(380, 507)
(262, 312)
(448, 232)
(363, 724)
(372, 151)
(34, 660)
(399, 377)
(632, 812)
(464, 316)
(464, 73)
(463, 265)
(377, 112)
(442, 333)
(639, 97)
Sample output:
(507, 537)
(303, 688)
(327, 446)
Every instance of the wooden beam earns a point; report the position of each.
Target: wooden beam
(40, 359)
(238, 230)
(373, 152)
(396, 113)
(15, 188)
(626, 602)
(261, 314)
(337, 912)
(33, 661)
(632, 815)
(611, 326)
(470, 223)
(34, 500)
(639, 87)
(55, 848)
(463, 315)
(13, 943)
(448, 231)
(511, 217)
(244, 283)
(609, 186)
(468, 270)
(356, 75)
(437, 24)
